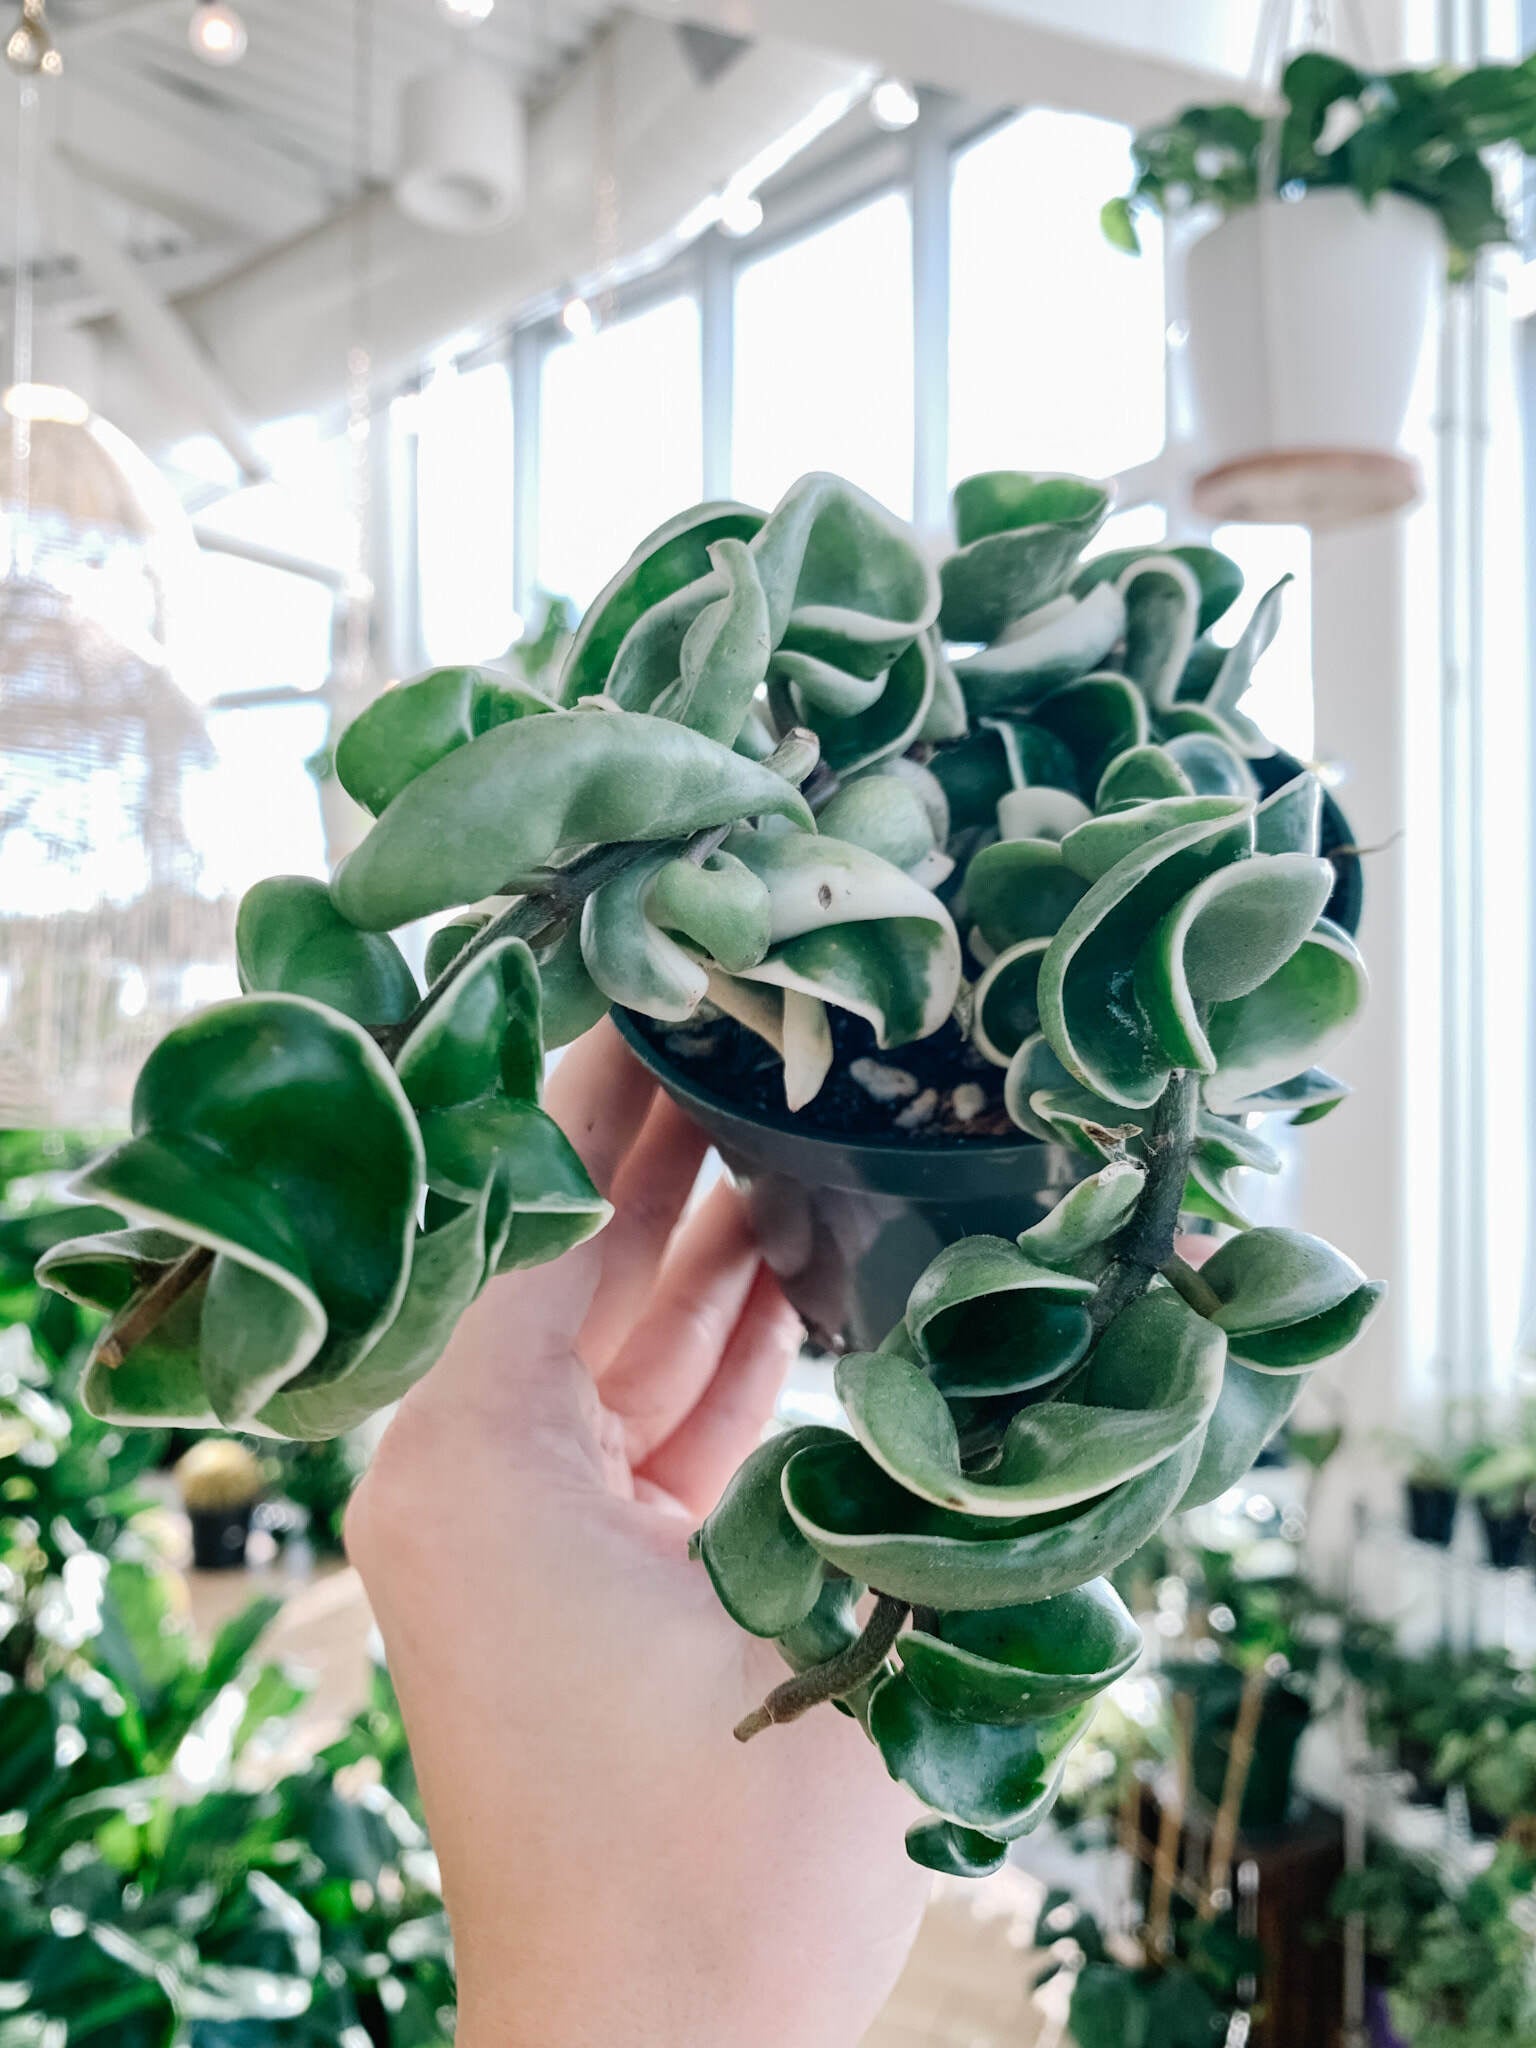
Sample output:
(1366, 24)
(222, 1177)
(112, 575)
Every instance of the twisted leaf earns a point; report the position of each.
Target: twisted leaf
(1050, 646)
(767, 1576)
(473, 1070)
(1020, 1664)
(290, 939)
(1288, 1299)
(1150, 1388)
(1018, 539)
(1001, 1779)
(988, 1319)
(1217, 577)
(498, 809)
(672, 560)
(274, 1133)
(861, 1520)
(1094, 1029)
(626, 927)
(408, 729)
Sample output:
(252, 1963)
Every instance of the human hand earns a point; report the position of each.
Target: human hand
(618, 1870)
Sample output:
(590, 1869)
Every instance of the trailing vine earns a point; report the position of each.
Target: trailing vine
(796, 768)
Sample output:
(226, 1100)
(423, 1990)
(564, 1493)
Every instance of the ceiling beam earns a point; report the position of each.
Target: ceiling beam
(167, 350)
(1129, 62)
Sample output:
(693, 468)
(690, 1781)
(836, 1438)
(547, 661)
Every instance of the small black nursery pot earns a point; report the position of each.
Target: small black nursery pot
(1431, 1512)
(219, 1537)
(848, 1224)
(1507, 1533)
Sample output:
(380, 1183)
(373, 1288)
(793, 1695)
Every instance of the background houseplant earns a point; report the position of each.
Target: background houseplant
(1307, 320)
(1141, 892)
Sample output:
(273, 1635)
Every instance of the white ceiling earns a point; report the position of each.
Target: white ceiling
(199, 168)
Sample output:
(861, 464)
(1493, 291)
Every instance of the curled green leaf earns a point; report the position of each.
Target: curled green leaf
(290, 939)
(494, 812)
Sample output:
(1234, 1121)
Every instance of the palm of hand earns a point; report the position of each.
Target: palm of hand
(617, 1868)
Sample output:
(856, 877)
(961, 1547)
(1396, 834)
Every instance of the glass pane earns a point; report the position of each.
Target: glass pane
(254, 810)
(1057, 340)
(464, 514)
(620, 443)
(255, 628)
(824, 359)
(1281, 698)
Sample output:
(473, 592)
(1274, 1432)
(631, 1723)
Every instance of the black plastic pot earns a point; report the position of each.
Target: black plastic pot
(219, 1537)
(1431, 1513)
(1378, 2018)
(1336, 841)
(848, 1224)
(1507, 1536)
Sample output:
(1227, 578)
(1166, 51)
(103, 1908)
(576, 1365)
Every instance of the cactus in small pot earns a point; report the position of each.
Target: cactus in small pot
(220, 1482)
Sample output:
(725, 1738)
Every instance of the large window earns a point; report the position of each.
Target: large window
(464, 515)
(621, 443)
(824, 359)
(1056, 339)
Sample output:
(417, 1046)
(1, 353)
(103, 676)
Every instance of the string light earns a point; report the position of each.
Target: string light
(577, 318)
(893, 104)
(29, 48)
(217, 33)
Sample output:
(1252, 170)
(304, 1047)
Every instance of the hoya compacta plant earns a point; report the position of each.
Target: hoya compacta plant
(805, 781)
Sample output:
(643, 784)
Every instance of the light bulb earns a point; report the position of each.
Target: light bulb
(216, 33)
(45, 402)
(577, 319)
(894, 104)
(741, 213)
(465, 13)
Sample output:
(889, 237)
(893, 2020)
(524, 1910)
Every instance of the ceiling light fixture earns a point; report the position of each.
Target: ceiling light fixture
(894, 104)
(217, 33)
(465, 13)
(741, 213)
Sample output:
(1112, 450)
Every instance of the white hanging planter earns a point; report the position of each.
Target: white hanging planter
(1307, 320)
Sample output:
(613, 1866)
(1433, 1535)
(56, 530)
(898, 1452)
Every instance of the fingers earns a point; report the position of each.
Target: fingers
(695, 1462)
(675, 1349)
(599, 1095)
(649, 1193)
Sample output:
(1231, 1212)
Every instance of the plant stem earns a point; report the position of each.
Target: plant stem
(143, 1312)
(559, 897)
(1199, 1293)
(841, 1674)
(1145, 1245)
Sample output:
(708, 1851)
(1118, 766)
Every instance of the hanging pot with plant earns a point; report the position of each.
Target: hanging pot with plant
(1500, 1476)
(1309, 297)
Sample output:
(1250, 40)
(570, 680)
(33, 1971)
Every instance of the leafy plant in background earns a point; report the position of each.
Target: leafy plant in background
(1186, 1998)
(325, 1172)
(162, 1878)
(1467, 1978)
(1420, 133)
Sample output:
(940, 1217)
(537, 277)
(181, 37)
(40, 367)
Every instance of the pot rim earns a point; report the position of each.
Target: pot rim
(783, 1124)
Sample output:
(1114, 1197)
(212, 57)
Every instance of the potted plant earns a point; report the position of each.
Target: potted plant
(220, 1482)
(1499, 1473)
(1309, 297)
(1432, 1495)
(1009, 923)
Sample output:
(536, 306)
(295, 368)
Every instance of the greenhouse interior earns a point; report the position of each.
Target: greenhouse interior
(767, 1030)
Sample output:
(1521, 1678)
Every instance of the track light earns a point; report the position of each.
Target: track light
(217, 33)
(893, 104)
